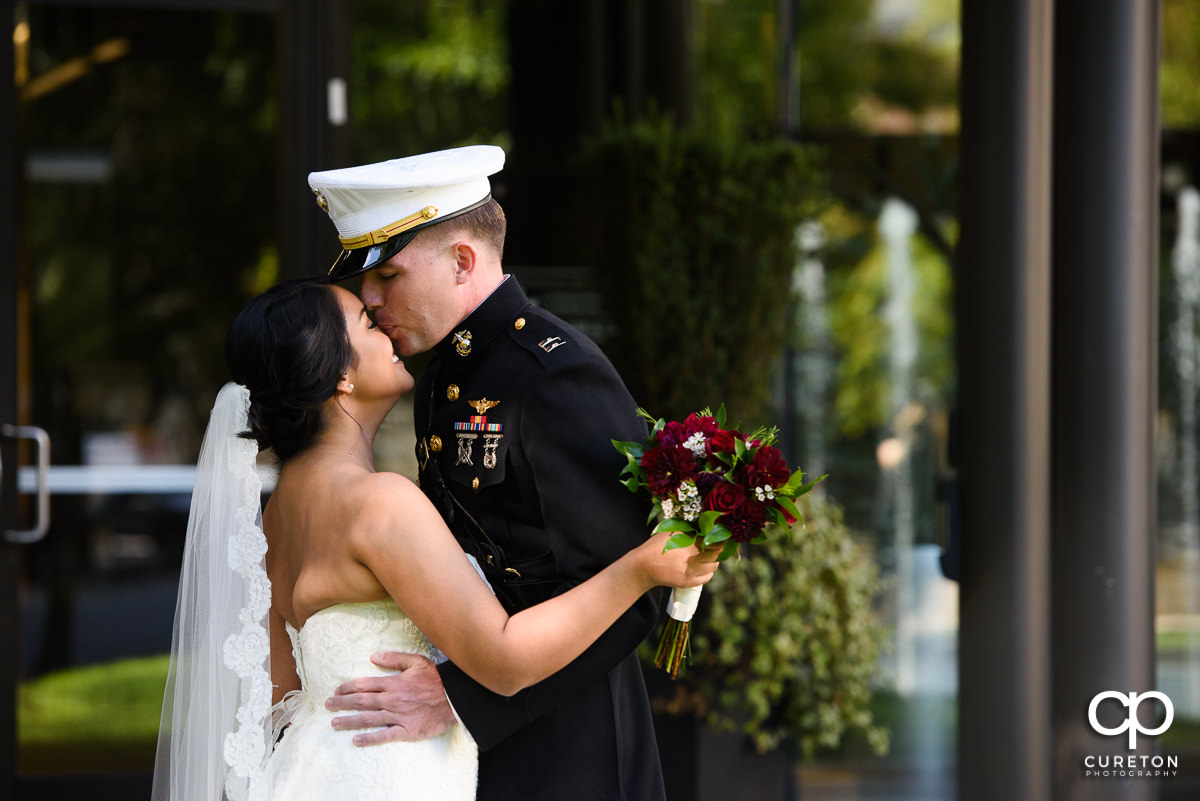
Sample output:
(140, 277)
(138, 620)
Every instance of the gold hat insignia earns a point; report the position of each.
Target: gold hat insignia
(321, 201)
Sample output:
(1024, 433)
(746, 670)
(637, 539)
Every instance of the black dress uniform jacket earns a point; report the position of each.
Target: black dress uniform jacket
(517, 412)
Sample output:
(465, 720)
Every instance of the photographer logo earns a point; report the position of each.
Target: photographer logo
(1131, 765)
(1131, 724)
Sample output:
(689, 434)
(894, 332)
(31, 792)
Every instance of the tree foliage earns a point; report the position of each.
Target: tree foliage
(848, 64)
(858, 294)
(428, 76)
(1178, 88)
(695, 244)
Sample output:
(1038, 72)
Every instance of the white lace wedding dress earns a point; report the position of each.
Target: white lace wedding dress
(312, 762)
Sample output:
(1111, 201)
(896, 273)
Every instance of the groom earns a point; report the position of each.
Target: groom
(514, 421)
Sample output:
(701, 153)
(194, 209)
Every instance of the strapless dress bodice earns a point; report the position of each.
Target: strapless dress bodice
(336, 643)
(313, 762)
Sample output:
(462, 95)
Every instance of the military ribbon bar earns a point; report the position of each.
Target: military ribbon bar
(479, 423)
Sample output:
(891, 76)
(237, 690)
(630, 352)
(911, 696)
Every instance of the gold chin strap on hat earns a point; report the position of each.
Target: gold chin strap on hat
(385, 233)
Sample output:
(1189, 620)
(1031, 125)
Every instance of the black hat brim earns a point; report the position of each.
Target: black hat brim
(356, 262)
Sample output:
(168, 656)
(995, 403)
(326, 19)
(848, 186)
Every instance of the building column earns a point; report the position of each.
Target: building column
(1003, 330)
(314, 127)
(1106, 156)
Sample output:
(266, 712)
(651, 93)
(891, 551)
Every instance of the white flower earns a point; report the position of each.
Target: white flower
(668, 507)
(765, 492)
(689, 500)
(695, 444)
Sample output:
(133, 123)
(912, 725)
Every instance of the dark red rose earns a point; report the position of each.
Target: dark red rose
(667, 468)
(768, 468)
(746, 521)
(706, 425)
(724, 497)
(722, 442)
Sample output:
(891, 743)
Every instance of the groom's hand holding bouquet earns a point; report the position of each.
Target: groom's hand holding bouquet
(711, 486)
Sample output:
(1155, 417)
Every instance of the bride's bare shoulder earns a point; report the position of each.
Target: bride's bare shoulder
(388, 499)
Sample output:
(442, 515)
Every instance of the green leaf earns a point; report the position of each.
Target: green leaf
(649, 418)
(739, 448)
(673, 524)
(719, 533)
(731, 547)
(795, 486)
(706, 521)
(776, 516)
(720, 416)
(627, 447)
(632, 484)
(789, 505)
(806, 487)
(680, 540)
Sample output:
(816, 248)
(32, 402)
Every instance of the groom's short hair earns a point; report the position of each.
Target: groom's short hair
(486, 223)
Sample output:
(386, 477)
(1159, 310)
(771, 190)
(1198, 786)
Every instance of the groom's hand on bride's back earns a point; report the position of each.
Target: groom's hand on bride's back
(412, 703)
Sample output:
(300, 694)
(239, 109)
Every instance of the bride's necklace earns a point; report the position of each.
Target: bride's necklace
(345, 455)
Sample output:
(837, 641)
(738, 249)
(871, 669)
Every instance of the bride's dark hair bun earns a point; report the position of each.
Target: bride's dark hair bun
(289, 346)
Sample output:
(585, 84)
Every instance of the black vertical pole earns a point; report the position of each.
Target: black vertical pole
(788, 107)
(561, 79)
(8, 410)
(668, 57)
(314, 126)
(1106, 147)
(1003, 333)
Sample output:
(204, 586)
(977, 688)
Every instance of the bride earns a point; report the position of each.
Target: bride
(276, 610)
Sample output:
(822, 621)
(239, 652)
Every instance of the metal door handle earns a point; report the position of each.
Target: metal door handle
(42, 523)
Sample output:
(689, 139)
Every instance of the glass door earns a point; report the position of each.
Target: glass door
(146, 149)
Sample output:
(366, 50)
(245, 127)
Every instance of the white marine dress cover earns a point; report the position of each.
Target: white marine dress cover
(313, 762)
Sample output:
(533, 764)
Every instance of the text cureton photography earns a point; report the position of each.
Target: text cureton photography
(1130, 765)
(1138, 765)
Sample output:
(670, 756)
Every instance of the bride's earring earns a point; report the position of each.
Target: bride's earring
(351, 389)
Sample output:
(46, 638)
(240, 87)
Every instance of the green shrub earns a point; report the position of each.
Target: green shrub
(695, 243)
(785, 642)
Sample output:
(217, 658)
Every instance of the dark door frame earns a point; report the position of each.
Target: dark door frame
(312, 45)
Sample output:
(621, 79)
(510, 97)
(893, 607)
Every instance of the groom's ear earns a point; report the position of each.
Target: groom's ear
(465, 259)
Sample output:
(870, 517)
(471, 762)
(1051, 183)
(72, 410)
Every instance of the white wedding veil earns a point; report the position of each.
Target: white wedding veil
(215, 734)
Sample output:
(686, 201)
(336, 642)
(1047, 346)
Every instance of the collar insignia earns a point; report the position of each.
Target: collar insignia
(462, 342)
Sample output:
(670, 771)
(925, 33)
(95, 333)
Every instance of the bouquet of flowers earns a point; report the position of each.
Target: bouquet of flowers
(710, 486)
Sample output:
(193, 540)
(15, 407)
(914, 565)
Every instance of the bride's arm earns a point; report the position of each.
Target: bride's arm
(403, 541)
